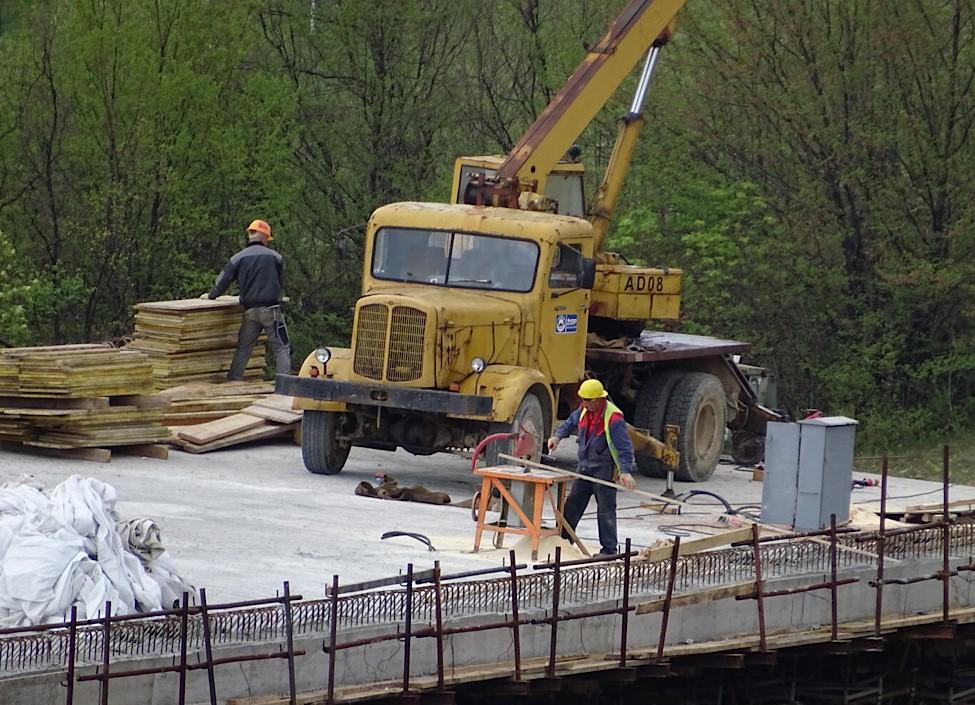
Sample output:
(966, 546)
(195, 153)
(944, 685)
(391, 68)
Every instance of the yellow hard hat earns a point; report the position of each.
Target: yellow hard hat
(260, 226)
(592, 389)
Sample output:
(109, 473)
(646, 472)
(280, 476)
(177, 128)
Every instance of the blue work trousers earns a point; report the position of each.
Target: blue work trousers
(582, 491)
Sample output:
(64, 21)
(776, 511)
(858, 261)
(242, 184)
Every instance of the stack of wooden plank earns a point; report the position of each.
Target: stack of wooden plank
(268, 417)
(192, 340)
(80, 400)
(200, 402)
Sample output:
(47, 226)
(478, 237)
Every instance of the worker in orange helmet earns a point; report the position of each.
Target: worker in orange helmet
(605, 453)
(259, 273)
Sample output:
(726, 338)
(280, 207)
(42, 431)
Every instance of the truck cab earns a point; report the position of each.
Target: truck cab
(470, 318)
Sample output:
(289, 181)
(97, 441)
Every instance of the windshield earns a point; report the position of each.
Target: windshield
(454, 259)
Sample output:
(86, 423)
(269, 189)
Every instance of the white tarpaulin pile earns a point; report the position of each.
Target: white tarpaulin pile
(68, 548)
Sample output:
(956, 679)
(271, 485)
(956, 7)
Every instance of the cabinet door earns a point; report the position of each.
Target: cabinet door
(837, 473)
(812, 451)
(779, 489)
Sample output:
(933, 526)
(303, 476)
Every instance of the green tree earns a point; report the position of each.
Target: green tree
(851, 125)
(143, 142)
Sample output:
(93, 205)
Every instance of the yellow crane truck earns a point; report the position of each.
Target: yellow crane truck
(484, 314)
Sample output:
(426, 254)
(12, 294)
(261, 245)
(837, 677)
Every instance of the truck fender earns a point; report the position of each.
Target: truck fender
(507, 385)
(338, 368)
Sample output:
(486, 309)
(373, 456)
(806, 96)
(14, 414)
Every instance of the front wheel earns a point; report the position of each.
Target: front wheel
(321, 449)
(532, 418)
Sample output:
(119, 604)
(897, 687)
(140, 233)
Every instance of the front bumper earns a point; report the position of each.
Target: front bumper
(431, 400)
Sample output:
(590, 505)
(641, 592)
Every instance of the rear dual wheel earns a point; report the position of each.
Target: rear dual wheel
(649, 414)
(695, 403)
(697, 406)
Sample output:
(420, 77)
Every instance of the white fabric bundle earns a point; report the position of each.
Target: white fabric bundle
(65, 549)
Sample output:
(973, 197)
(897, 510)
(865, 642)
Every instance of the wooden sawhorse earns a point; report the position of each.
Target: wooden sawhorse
(542, 482)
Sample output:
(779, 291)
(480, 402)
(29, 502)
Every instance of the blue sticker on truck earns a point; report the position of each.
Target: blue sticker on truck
(566, 322)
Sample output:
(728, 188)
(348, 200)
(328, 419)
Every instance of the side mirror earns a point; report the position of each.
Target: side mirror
(587, 273)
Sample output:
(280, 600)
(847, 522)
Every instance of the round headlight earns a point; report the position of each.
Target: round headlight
(323, 355)
(478, 364)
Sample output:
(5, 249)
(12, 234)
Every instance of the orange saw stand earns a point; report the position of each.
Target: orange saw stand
(541, 483)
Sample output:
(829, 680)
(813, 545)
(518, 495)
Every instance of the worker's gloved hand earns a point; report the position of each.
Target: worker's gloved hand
(205, 296)
(553, 443)
(627, 480)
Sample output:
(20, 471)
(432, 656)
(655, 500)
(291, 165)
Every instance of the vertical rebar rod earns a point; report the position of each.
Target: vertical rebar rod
(407, 628)
(556, 596)
(438, 604)
(72, 636)
(106, 653)
(208, 646)
(515, 621)
(834, 626)
(671, 579)
(625, 616)
(946, 544)
(881, 545)
(332, 639)
(289, 631)
(759, 595)
(184, 623)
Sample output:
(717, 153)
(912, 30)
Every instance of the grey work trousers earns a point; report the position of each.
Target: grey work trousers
(582, 492)
(255, 320)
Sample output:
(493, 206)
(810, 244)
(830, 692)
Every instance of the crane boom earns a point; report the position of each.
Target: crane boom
(641, 24)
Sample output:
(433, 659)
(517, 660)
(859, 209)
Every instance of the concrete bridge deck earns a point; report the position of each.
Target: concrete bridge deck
(393, 651)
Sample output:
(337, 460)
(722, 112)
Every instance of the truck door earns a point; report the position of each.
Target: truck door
(565, 314)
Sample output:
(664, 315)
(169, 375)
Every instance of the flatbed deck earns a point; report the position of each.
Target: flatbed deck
(660, 346)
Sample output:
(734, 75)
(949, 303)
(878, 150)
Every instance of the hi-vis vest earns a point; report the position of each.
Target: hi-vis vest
(608, 412)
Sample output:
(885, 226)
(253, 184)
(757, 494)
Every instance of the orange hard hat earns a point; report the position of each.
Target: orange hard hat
(260, 226)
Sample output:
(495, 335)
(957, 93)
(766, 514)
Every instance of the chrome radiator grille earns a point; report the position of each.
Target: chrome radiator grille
(403, 327)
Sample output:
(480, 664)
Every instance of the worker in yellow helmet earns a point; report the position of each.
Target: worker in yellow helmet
(259, 273)
(605, 453)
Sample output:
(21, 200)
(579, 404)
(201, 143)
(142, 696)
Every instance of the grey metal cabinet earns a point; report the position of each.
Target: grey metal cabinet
(808, 472)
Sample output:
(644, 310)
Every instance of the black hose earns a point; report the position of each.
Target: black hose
(728, 508)
(419, 537)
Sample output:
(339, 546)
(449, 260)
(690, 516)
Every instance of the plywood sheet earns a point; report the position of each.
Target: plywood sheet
(203, 434)
(272, 414)
(265, 430)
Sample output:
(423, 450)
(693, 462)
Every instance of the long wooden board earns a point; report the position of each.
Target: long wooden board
(209, 390)
(267, 430)
(663, 553)
(97, 455)
(697, 598)
(272, 414)
(206, 433)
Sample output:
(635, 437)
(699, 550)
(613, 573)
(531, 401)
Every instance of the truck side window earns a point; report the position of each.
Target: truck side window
(566, 265)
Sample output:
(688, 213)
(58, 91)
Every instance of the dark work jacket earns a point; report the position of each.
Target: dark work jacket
(593, 449)
(259, 273)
